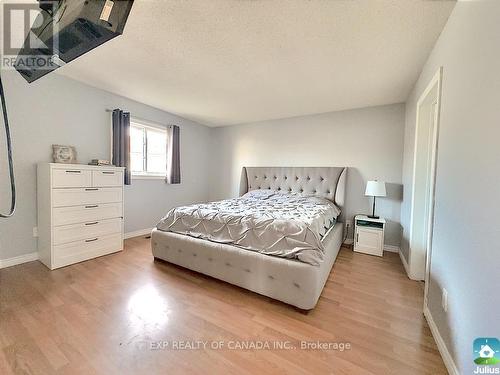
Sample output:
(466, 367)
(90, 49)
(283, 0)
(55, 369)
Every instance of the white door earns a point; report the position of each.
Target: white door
(425, 157)
(431, 196)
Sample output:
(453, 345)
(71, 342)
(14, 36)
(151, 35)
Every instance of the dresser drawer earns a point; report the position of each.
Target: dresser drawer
(84, 231)
(82, 214)
(71, 177)
(86, 196)
(78, 251)
(107, 178)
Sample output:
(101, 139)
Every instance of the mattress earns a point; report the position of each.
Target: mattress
(290, 281)
(281, 224)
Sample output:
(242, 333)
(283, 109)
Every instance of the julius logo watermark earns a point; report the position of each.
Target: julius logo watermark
(29, 36)
(486, 354)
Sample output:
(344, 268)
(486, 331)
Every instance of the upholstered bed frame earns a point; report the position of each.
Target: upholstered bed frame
(291, 281)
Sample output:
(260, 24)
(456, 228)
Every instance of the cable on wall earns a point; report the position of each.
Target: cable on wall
(9, 155)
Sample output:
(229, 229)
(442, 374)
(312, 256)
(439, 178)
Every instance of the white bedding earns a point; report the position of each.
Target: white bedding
(288, 225)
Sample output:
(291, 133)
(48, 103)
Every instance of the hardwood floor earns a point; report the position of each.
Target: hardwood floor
(117, 314)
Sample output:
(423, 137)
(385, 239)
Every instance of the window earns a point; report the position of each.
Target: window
(148, 150)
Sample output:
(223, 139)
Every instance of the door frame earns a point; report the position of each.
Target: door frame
(436, 81)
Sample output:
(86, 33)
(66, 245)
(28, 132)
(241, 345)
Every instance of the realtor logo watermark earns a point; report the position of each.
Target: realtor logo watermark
(20, 46)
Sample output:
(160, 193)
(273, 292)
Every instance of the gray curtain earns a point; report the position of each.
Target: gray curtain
(121, 141)
(173, 155)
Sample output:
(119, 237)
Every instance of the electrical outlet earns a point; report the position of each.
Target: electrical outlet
(35, 231)
(444, 300)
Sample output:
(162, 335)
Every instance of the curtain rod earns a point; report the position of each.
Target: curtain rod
(111, 110)
(152, 124)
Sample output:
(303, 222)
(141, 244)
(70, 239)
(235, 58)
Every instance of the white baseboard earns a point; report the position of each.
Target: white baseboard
(137, 233)
(445, 354)
(18, 260)
(405, 263)
(407, 268)
(9, 262)
(391, 248)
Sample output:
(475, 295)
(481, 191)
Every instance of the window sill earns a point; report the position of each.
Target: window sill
(147, 177)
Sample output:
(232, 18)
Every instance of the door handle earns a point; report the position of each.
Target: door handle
(357, 237)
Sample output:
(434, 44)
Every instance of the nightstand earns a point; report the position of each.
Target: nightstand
(369, 235)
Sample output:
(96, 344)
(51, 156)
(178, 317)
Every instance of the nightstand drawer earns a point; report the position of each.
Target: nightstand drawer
(369, 241)
(369, 235)
(369, 224)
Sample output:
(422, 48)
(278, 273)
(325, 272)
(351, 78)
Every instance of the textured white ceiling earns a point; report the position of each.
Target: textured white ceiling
(222, 62)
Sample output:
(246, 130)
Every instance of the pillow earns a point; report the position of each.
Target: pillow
(259, 194)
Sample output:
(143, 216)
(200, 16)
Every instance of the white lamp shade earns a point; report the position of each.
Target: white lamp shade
(375, 189)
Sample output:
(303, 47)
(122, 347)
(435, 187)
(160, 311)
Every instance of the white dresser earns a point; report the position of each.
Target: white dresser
(80, 212)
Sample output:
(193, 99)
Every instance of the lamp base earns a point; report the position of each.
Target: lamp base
(373, 216)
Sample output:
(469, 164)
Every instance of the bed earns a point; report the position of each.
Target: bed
(295, 277)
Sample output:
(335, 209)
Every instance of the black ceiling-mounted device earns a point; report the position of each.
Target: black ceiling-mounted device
(66, 29)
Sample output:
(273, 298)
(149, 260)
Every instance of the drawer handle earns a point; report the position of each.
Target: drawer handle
(93, 223)
(73, 171)
(92, 206)
(108, 172)
(91, 189)
(92, 240)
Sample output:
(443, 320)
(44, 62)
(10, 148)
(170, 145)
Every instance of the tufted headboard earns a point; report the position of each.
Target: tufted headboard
(326, 182)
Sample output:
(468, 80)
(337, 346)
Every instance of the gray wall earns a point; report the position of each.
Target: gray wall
(369, 141)
(465, 254)
(59, 110)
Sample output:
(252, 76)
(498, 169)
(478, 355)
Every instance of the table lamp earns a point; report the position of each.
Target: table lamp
(375, 189)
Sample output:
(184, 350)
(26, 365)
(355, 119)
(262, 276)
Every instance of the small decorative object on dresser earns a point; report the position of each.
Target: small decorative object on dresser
(369, 235)
(64, 154)
(99, 162)
(80, 212)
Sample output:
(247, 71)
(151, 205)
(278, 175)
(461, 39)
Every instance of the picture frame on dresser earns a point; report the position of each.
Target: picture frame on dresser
(64, 154)
(80, 212)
